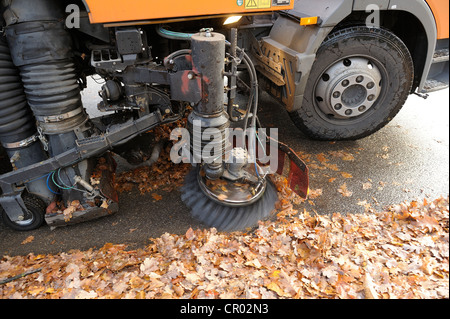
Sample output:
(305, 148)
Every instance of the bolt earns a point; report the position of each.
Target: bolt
(348, 112)
(370, 85)
(345, 83)
(362, 108)
(359, 79)
(336, 94)
(338, 106)
(190, 75)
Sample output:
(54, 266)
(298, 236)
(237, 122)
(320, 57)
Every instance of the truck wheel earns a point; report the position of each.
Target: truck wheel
(359, 82)
(33, 219)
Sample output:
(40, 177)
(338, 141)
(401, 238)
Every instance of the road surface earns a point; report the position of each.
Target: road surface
(406, 160)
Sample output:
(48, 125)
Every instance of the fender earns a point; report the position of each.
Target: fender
(421, 10)
(288, 41)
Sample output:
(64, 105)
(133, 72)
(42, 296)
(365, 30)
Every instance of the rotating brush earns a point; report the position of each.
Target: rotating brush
(222, 217)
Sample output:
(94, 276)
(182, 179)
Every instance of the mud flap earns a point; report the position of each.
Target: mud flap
(290, 164)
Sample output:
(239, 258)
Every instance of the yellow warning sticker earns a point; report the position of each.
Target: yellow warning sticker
(258, 4)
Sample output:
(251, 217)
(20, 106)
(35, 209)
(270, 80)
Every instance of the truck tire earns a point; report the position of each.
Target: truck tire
(360, 80)
(34, 217)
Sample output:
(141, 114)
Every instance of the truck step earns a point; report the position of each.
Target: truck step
(432, 85)
(441, 56)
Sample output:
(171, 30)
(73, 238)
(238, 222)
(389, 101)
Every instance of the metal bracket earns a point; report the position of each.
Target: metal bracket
(14, 205)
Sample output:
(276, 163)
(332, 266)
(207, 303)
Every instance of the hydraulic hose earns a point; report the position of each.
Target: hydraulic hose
(172, 35)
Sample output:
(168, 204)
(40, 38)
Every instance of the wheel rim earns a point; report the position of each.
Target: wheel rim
(348, 89)
(26, 219)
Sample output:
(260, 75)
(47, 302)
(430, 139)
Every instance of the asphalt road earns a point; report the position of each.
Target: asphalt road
(407, 160)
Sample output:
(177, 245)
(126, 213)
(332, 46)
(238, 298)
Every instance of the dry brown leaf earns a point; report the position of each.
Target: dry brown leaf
(274, 287)
(321, 157)
(314, 193)
(28, 240)
(369, 289)
(344, 191)
(222, 197)
(367, 185)
(345, 156)
(156, 197)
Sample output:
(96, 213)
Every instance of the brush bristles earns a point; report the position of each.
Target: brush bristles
(226, 218)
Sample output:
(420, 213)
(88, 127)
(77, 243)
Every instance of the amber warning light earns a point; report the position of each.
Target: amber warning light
(309, 20)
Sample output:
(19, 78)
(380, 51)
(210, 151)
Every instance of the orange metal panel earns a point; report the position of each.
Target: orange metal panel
(109, 11)
(440, 10)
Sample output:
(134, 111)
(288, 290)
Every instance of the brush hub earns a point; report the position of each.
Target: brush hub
(242, 192)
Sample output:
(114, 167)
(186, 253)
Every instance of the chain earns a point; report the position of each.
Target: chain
(42, 138)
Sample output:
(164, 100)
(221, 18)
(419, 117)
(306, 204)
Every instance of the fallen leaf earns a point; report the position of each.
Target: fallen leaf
(367, 185)
(253, 263)
(222, 197)
(369, 289)
(190, 234)
(427, 222)
(345, 156)
(314, 193)
(346, 175)
(29, 239)
(344, 191)
(156, 197)
(321, 157)
(274, 287)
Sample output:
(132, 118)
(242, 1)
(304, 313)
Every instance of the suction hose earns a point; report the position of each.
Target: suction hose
(18, 134)
(41, 48)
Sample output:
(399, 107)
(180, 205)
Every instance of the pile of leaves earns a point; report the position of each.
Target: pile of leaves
(164, 174)
(402, 252)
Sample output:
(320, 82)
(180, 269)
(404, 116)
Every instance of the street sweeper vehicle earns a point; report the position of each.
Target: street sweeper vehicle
(341, 68)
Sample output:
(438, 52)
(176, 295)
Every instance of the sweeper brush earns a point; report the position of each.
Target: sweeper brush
(229, 189)
(221, 216)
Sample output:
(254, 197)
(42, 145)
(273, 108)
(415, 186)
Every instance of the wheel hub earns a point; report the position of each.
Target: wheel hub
(349, 88)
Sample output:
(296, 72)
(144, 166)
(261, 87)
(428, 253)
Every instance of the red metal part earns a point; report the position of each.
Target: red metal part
(298, 177)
